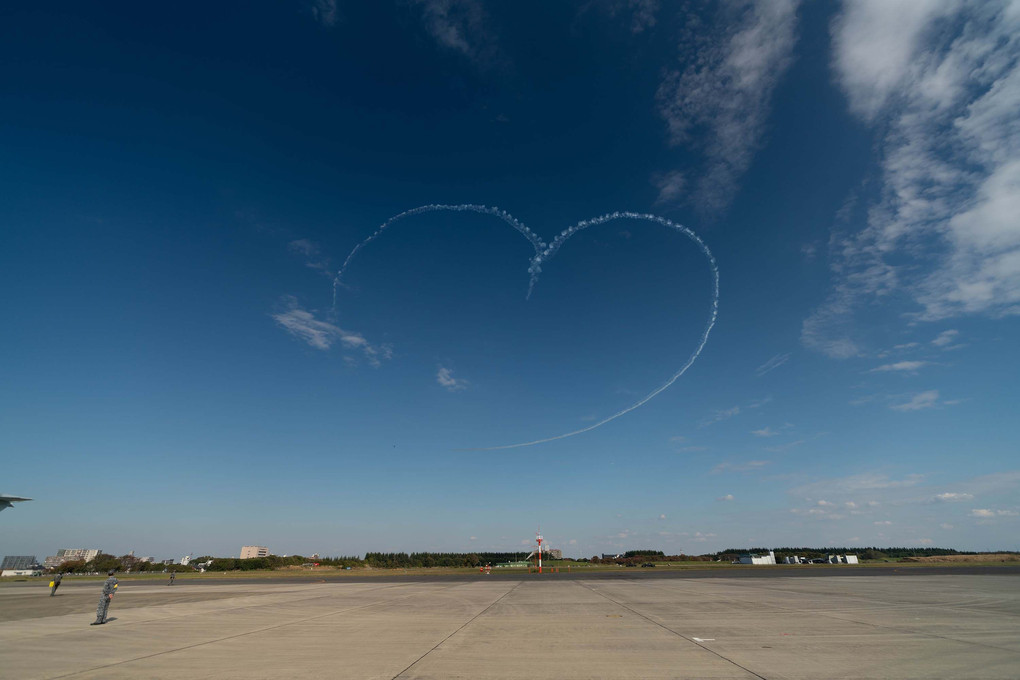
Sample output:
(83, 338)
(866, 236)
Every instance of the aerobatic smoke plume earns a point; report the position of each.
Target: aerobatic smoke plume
(543, 253)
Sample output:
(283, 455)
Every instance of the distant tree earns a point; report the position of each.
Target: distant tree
(103, 562)
(72, 567)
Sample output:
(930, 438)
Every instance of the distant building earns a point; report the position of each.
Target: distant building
(185, 560)
(757, 559)
(554, 553)
(610, 556)
(71, 554)
(147, 558)
(249, 551)
(12, 562)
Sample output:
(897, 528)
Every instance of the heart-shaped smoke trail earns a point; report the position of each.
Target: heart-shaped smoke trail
(544, 252)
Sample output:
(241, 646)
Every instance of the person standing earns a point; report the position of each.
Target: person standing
(173, 575)
(55, 583)
(109, 588)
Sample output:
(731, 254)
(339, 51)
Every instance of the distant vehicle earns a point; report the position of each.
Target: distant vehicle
(647, 564)
(819, 560)
(7, 501)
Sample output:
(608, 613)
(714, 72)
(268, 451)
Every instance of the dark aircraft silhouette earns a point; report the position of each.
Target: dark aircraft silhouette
(7, 501)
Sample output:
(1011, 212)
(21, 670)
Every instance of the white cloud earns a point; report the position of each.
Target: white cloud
(325, 12)
(671, 186)
(921, 400)
(726, 87)
(882, 523)
(780, 448)
(311, 253)
(473, 538)
(900, 366)
(444, 376)
(854, 484)
(985, 513)
(303, 325)
(458, 25)
(951, 496)
(945, 337)
(643, 14)
(946, 526)
(772, 364)
(727, 497)
(661, 517)
(720, 416)
(940, 81)
(747, 466)
(765, 432)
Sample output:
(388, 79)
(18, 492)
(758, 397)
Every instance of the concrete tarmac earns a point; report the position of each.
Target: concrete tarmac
(866, 626)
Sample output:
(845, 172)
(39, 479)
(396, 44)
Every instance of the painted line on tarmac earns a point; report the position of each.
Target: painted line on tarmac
(250, 632)
(693, 641)
(465, 625)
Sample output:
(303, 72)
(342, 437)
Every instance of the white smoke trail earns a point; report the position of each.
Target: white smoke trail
(465, 207)
(544, 252)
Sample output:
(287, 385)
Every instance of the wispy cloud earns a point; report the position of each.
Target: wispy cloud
(772, 364)
(312, 255)
(985, 513)
(940, 83)
(945, 338)
(782, 448)
(726, 498)
(952, 496)
(719, 416)
(325, 12)
(444, 376)
(459, 26)
(765, 432)
(671, 186)
(303, 324)
(854, 484)
(643, 13)
(725, 87)
(921, 400)
(747, 466)
(901, 366)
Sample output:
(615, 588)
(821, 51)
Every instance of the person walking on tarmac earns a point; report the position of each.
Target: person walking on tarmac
(173, 575)
(55, 583)
(109, 588)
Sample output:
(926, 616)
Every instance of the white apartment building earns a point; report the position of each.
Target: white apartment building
(249, 551)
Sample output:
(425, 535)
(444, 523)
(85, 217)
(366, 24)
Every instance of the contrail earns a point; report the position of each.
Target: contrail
(536, 242)
(544, 252)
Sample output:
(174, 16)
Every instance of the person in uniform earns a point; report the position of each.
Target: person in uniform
(109, 588)
(55, 583)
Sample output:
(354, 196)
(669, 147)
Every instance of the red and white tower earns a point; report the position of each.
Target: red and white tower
(539, 535)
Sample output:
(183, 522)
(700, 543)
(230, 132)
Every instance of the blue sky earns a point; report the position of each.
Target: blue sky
(181, 188)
